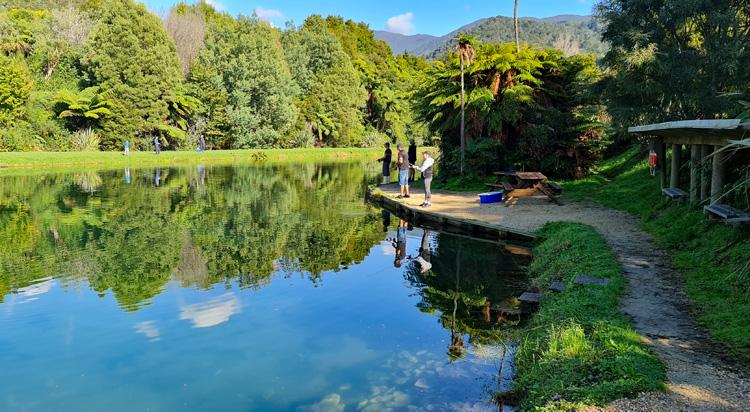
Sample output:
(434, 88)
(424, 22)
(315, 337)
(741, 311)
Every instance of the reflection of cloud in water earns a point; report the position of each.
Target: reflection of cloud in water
(37, 288)
(331, 403)
(383, 399)
(211, 313)
(148, 329)
(387, 248)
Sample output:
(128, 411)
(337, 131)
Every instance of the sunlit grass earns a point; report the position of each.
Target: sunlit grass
(579, 348)
(41, 161)
(712, 256)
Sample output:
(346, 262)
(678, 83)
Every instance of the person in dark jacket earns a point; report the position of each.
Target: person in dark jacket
(386, 160)
(413, 158)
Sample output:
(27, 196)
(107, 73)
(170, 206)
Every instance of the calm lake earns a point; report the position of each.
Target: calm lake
(241, 288)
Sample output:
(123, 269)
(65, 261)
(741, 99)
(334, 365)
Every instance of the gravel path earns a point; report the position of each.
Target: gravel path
(699, 380)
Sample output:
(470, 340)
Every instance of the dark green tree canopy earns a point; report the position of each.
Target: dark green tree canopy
(132, 56)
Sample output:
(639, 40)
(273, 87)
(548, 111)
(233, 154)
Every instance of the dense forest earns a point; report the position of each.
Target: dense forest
(90, 74)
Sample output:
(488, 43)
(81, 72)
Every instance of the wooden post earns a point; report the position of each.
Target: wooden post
(705, 176)
(662, 154)
(695, 169)
(717, 176)
(674, 182)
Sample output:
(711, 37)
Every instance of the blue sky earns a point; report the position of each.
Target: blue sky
(436, 17)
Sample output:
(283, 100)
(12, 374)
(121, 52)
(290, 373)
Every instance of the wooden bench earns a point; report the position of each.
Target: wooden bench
(554, 188)
(675, 194)
(727, 213)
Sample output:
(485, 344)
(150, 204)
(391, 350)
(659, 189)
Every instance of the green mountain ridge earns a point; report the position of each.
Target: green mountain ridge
(572, 34)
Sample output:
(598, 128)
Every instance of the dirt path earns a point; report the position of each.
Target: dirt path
(698, 378)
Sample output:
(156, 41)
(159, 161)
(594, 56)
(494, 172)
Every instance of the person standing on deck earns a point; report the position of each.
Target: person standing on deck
(386, 160)
(412, 157)
(157, 145)
(427, 172)
(403, 172)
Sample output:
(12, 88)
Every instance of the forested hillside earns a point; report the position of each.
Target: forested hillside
(569, 33)
(91, 74)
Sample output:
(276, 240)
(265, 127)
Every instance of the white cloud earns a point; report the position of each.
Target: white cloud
(216, 4)
(267, 14)
(401, 24)
(211, 313)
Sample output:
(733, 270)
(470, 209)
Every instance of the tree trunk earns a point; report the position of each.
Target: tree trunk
(463, 115)
(516, 29)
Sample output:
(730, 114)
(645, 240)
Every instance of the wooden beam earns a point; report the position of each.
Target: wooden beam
(705, 175)
(717, 175)
(695, 169)
(674, 182)
(662, 155)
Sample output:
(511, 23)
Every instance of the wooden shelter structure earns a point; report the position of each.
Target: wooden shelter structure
(704, 138)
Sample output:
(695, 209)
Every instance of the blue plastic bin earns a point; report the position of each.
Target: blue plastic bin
(490, 197)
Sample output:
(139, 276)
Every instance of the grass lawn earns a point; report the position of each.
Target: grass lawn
(43, 161)
(579, 349)
(713, 257)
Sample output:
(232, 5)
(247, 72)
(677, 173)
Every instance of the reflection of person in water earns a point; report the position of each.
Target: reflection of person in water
(157, 177)
(386, 220)
(400, 243)
(424, 253)
(127, 175)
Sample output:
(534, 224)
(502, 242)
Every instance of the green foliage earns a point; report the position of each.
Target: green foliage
(674, 60)
(580, 349)
(243, 65)
(533, 105)
(711, 256)
(15, 89)
(130, 55)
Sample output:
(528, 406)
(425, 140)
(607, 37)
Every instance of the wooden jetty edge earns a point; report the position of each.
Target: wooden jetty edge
(447, 223)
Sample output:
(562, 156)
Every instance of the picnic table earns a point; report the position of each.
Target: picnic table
(526, 180)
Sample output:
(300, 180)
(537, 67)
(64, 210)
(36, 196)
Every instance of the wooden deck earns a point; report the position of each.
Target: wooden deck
(448, 223)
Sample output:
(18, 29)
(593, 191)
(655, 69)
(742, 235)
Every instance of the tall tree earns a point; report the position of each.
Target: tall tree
(516, 28)
(466, 54)
(131, 55)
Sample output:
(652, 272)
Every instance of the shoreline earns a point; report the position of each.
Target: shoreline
(60, 161)
(649, 295)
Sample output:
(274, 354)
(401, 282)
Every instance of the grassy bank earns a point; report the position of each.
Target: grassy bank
(75, 160)
(713, 257)
(579, 349)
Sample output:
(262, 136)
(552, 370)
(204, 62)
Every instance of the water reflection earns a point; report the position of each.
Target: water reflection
(279, 285)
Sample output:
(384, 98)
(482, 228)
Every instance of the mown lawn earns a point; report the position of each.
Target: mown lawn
(579, 349)
(42, 161)
(713, 257)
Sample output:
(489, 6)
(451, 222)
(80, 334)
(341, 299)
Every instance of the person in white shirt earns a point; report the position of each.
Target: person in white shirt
(427, 173)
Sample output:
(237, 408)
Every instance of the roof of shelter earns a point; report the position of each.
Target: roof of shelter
(714, 132)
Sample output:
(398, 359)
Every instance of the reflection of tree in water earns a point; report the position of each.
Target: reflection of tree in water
(199, 227)
(469, 283)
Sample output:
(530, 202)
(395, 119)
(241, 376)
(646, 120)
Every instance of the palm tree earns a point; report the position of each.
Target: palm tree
(515, 27)
(466, 54)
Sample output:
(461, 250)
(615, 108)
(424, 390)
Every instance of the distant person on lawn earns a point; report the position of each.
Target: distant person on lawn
(427, 172)
(403, 172)
(386, 160)
(126, 145)
(413, 158)
(157, 145)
